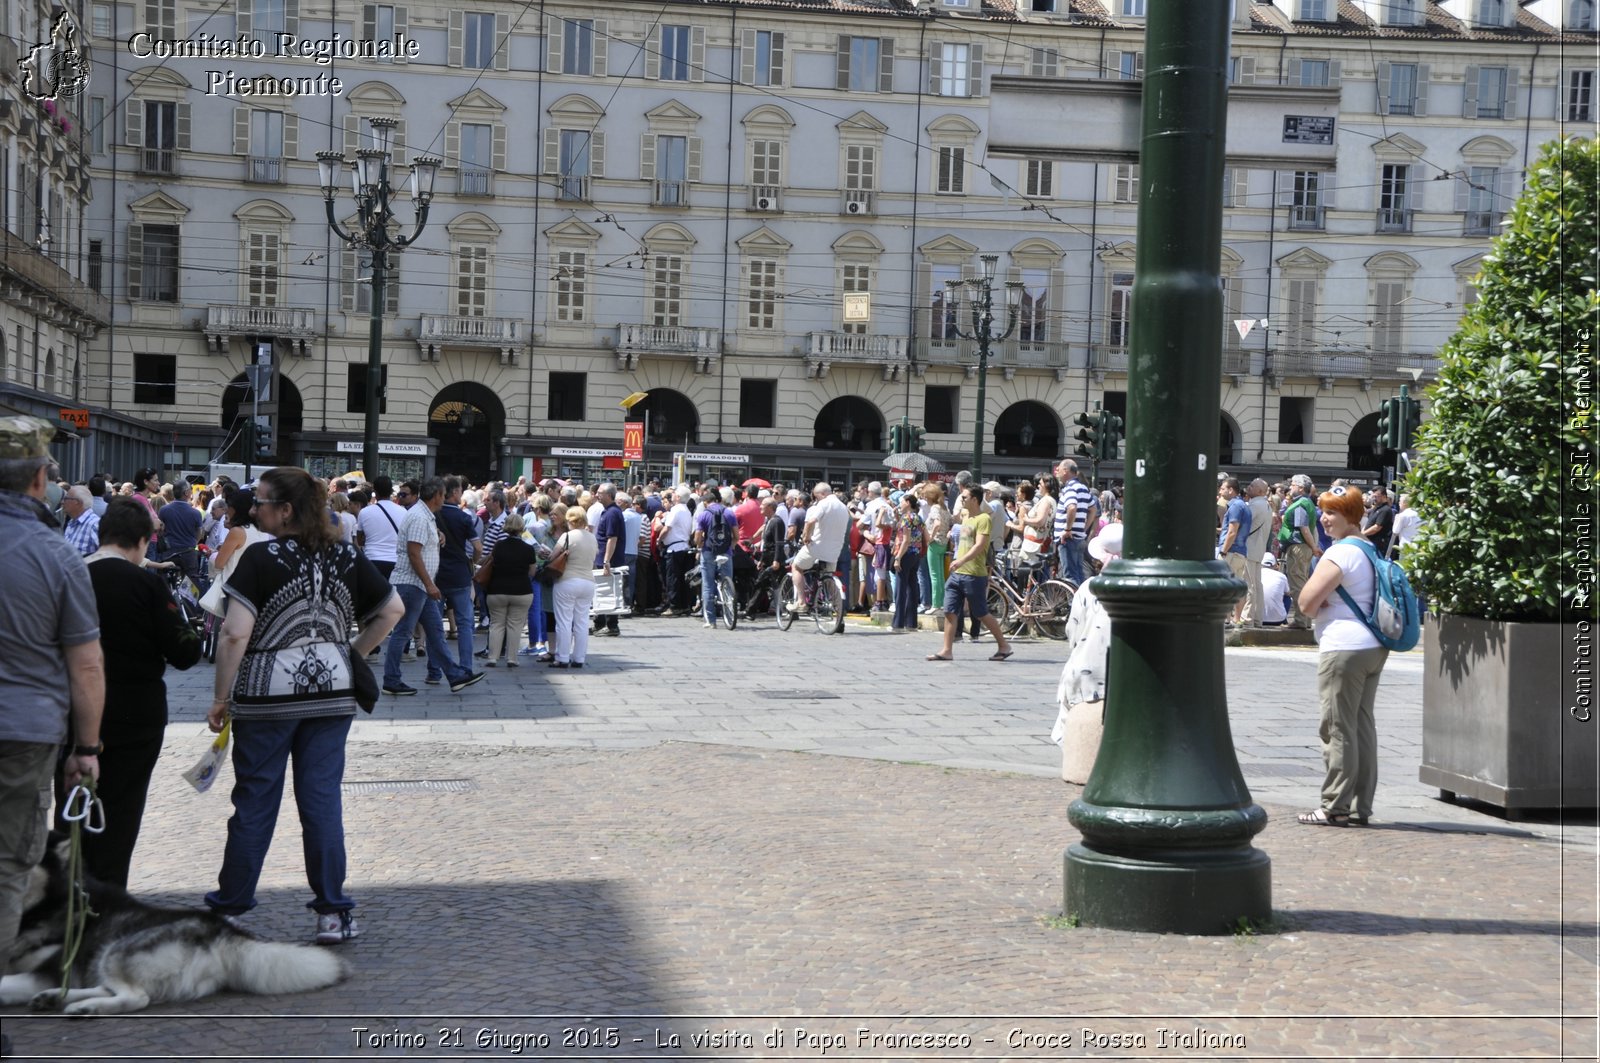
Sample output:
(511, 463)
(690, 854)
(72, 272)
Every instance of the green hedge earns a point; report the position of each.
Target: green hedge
(1507, 456)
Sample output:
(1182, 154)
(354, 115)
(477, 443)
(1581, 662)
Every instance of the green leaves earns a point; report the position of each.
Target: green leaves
(1509, 448)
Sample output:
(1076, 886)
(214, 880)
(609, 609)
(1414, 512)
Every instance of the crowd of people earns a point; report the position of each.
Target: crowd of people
(309, 578)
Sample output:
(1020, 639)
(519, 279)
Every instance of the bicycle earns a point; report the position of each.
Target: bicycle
(187, 598)
(824, 596)
(1041, 605)
(725, 598)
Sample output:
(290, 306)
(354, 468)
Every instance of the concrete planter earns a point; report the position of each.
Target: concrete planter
(1501, 708)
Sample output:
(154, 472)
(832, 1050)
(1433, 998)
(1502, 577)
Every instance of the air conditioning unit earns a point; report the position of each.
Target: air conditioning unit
(856, 206)
(766, 203)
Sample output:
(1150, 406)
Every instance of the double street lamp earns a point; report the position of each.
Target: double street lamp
(982, 306)
(369, 174)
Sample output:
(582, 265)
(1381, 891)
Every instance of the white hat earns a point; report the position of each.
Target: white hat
(1269, 561)
(992, 485)
(1107, 546)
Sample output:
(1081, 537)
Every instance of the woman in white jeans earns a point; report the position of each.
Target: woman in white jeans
(574, 591)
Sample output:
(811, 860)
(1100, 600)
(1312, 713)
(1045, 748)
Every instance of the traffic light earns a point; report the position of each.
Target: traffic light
(1110, 435)
(1088, 435)
(263, 439)
(1388, 426)
(919, 438)
(896, 440)
(1411, 415)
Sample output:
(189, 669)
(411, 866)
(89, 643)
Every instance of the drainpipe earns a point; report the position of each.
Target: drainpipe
(727, 232)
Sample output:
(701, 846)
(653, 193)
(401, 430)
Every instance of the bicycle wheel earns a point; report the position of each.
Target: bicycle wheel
(828, 606)
(727, 602)
(786, 605)
(1047, 607)
(1000, 607)
(208, 639)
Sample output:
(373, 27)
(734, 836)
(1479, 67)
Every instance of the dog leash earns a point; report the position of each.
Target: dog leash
(84, 811)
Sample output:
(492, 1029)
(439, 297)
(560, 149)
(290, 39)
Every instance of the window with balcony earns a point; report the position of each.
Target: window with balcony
(263, 264)
(355, 388)
(1125, 183)
(1119, 310)
(263, 20)
(153, 263)
(477, 160)
(944, 312)
(761, 299)
(472, 281)
(573, 165)
(761, 58)
(941, 406)
(159, 136)
(1388, 316)
(266, 139)
(854, 277)
(568, 398)
(1580, 96)
(955, 69)
(572, 286)
(96, 271)
(1490, 92)
(155, 379)
(1394, 198)
(1480, 200)
(356, 294)
(1300, 313)
(952, 173)
(666, 290)
(672, 170)
(864, 64)
(1038, 178)
(758, 403)
(1306, 200)
(1033, 315)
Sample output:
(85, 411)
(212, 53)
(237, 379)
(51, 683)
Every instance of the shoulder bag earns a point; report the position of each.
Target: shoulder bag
(552, 569)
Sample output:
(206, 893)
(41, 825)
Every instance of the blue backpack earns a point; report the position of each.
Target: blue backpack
(1396, 619)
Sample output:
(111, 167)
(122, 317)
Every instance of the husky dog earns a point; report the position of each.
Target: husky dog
(135, 954)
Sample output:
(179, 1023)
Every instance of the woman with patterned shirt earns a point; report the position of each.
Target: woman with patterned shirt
(284, 678)
(910, 542)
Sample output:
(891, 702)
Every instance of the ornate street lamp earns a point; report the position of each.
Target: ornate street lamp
(983, 331)
(369, 178)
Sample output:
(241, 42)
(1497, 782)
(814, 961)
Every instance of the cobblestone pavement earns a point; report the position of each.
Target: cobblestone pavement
(647, 858)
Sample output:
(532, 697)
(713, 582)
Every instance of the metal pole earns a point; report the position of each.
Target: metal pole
(1166, 816)
(980, 326)
(380, 266)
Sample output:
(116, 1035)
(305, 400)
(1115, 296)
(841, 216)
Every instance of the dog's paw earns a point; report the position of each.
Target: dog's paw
(46, 1000)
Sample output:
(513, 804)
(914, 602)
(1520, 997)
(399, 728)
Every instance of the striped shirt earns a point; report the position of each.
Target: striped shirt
(419, 527)
(1077, 493)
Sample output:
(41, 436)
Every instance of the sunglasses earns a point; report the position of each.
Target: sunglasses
(259, 502)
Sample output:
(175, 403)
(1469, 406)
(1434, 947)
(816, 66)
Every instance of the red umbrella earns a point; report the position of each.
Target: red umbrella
(756, 481)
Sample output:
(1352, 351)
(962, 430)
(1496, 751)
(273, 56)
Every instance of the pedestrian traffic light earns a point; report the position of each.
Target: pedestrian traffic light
(1088, 435)
(1110, 435)
(264, 445)
(1388, 428)
(919, 438)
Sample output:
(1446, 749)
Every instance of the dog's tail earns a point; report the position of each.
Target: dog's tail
(273, 967)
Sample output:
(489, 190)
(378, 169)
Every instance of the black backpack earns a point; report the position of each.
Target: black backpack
(720, 537)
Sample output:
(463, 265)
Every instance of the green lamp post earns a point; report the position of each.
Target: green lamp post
(1166, 818)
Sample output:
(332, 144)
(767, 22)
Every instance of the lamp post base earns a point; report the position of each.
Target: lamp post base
(1175, 891)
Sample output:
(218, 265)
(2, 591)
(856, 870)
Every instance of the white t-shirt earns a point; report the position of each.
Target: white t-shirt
(1274, 585)
(1406, 523)
(830, 520)
(379, 540)
(347, 528)
(1338, 629)
(680, 523)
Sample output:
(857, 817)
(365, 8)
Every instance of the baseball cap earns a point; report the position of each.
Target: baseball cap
(25, 437)
(992, 485)
(1269, 561)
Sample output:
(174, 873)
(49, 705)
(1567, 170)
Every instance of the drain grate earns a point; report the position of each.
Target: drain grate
(409, 786)
(797, 695)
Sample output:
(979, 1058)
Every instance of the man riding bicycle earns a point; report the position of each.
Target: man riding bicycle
(822, 537)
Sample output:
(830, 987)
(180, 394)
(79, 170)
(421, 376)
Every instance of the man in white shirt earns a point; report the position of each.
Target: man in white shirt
(680, 526)
(1274, 591)
(378, 525)
(822, 538)
(1406, 524)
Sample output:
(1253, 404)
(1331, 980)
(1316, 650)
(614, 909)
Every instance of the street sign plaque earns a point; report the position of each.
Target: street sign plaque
(633, 441)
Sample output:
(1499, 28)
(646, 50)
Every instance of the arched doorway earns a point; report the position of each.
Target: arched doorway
(672, 421)
(1027, 429)
(237, 399)
(848, 423)
(1228, 442)
(466, 418)
(1364, 452)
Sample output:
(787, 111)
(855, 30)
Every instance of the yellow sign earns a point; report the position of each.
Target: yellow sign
(633, 400)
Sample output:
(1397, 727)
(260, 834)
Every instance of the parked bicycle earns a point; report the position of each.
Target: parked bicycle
(1020, 599)
(823, 599)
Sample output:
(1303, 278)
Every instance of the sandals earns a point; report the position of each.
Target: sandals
(939, 657)
(1323, 818)
(998, 656)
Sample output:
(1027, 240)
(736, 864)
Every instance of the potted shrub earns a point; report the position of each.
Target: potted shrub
(1506, 488)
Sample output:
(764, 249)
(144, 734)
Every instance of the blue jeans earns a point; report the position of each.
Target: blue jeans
(709, 563)
(419, 608)
(261, 752)
(906, 591)
(969, 592)
(1071, 554)
(536, 615)
(924, 586)
(459, 599)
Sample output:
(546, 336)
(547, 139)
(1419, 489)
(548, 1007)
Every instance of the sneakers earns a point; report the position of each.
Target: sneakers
(335, 928)
(482, 653)
(407, 657)
(491, 664)
(458, 685)
(433, 680)
(530, 651)
(399, 690)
